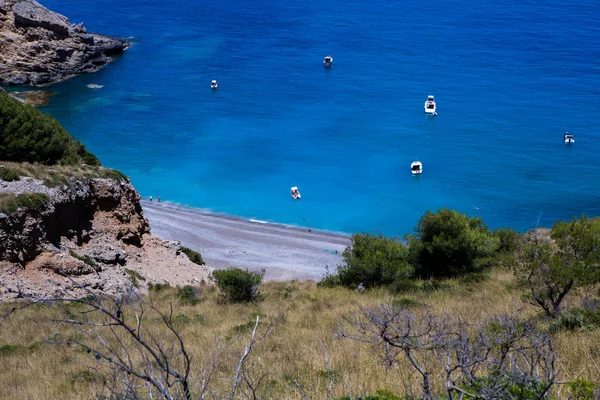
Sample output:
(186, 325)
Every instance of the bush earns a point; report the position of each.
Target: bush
(8, 174)
(404, 286)
(509, 240)
(450, 244)
(380, 394)
(193, 255)
(26, 134)
(582, 389)
(575, 319)
(189, 295)
(238, 285)
(373, 261)
(158, 287)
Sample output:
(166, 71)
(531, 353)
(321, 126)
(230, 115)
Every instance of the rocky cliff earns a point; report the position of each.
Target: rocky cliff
(38, 46)
(87, 235)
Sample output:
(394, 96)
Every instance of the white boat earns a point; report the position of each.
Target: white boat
(416, 167)
(569, 138)
(430, 107)
(214, 84)
(327, 61)
(295, 193)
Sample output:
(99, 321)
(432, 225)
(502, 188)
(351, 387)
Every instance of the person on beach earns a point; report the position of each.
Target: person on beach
(150, 198)
(158, 198)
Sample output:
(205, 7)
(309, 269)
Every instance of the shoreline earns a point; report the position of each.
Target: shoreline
(285, 252)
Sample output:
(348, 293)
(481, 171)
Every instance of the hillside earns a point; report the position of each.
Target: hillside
(304, 357)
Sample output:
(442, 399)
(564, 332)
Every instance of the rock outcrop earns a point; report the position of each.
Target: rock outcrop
(38, 46)
(89, 236)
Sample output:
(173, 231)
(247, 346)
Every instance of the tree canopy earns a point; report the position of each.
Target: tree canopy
(552, 263)
(448, 243)
(28, 135)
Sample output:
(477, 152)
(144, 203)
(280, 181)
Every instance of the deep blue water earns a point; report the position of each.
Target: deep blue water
(509, 76)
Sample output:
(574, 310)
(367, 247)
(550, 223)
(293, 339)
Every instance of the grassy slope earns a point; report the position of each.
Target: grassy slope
(305, 314)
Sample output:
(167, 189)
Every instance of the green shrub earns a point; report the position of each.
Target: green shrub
(189, 295)
(6, 349)
(374, 260)
(157, 287)
(405, 302)
(27, 134)
(193, 255)
(329, 281)
(8, 174)
(380, 394)
(509, 239)
(507, 385)
(575, 319)
(404, 286)
(450, 244)
(582, 389)
(238, 285)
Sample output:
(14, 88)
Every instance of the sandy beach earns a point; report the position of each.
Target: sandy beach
(285, 252)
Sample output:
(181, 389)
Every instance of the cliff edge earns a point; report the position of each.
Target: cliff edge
(85, 235)
(39, 46)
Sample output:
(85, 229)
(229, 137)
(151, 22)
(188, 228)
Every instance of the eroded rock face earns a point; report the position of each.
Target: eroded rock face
(91, 236)
(39, 46)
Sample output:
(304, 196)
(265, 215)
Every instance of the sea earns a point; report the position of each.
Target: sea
(510, 77)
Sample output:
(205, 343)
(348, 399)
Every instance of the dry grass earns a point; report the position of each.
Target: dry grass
(57, 175)
(305, 315)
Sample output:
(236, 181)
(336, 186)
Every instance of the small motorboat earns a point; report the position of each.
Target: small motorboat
(295, 193)
(213, 84)
(430, 107)
(416, 167)
(568, 137)
(327, 61)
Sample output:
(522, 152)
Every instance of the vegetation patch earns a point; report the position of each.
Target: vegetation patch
(7, 349)
(189, 295)
(158, 287)
(85, 258)
(84, 376)
(575, 319)
(9, 202)
(193, 255)
(380, 394)
(238, 285)
(134, 277)
(582, 389)
(27, 134)
(8, 174)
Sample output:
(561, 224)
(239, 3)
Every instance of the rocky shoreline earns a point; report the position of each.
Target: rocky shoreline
(40, 47)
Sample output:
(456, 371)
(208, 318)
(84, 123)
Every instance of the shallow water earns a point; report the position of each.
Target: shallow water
(509, 78)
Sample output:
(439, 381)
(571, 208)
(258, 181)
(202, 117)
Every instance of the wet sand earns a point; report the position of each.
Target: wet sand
(285, 252)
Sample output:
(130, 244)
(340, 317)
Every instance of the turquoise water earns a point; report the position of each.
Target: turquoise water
(510, 77)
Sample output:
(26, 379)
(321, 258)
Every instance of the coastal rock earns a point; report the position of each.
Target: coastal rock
(39, 46)
(87, 237)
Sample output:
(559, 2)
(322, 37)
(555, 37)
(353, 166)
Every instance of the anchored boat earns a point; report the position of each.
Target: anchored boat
(568, 137)
(430, 106)
(295, 193)
(416, 167)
